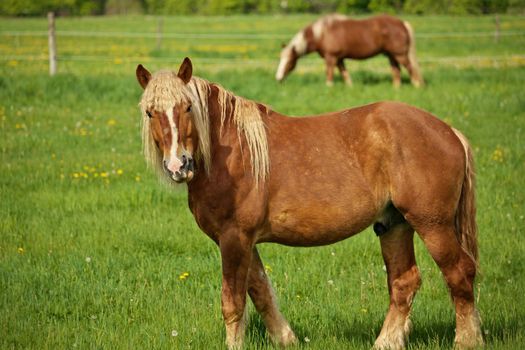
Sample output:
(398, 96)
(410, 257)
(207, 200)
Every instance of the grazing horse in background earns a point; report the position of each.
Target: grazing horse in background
(254, 175)
(336, 37)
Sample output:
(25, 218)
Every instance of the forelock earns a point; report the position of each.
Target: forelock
(164, 91)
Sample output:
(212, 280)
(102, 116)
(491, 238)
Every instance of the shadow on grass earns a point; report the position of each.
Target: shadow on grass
(359, 78)
(362, 333)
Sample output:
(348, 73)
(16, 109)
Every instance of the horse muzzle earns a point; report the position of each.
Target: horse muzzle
(185, 172)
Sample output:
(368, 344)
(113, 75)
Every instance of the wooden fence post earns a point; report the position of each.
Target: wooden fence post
(52, 44)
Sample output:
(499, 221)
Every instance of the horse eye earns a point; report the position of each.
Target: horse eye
(189, 109)
(148, 114)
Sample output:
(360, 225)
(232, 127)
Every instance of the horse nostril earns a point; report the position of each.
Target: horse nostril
(165, 163)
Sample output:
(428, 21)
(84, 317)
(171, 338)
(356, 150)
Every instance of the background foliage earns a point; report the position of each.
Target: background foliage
(228, 7)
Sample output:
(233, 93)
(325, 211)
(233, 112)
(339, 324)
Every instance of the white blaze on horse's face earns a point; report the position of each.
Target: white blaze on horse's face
(285, 58)
(185, 140)
(172, 162)
(289, 55)
(175, 138)
(287, 64)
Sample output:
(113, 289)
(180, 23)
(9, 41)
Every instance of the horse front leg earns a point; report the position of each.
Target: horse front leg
(330, 64)
(236, 255)
(344, 72)
(263, 297)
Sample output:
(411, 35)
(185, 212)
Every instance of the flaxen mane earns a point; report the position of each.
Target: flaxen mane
(165, 90)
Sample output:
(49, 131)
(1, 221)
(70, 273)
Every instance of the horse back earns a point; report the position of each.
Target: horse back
(360, 39)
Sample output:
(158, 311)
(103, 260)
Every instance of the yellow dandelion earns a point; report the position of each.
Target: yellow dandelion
(498, 155)
(104, 174)
(120, 171)
(268, 268)
(184, 275)
(76, 175)
(20, 250)
(137, 178)
(118, 60)
(111, 122)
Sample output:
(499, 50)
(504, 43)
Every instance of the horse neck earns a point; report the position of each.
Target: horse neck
(220, 123)
(226, 132)
(220, 116)
(303, 42)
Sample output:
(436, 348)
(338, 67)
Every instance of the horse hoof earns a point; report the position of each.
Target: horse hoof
(475, 342)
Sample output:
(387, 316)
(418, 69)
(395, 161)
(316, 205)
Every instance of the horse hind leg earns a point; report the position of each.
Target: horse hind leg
(459, 270)
(396, 72)
(263, 297)
(397, 247)
(413, 69)
(344, 73)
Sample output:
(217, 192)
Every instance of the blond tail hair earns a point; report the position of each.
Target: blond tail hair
(466, 228)
(415, 77)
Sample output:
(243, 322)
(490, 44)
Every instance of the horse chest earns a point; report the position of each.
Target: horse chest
(217, 211)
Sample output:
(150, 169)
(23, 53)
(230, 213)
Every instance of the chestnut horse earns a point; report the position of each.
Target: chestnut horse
(254, 175)
(336, 37)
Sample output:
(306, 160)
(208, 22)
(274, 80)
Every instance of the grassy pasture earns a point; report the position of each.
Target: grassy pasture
(95, 254)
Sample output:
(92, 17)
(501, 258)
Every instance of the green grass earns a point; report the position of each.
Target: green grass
(92, 247)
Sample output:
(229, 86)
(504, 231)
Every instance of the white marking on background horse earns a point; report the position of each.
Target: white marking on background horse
(319, 25)
(299, 44)
(317, 29)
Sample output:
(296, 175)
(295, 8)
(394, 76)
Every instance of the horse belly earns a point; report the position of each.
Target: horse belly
(323, 220)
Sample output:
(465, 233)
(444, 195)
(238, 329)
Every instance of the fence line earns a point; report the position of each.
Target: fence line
(236, 36)
(247, 61)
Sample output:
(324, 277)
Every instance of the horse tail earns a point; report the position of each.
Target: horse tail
(416, 78)
(465, 221)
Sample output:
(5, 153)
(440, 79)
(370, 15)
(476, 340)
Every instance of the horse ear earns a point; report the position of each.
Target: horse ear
(185, 70)
(143, 76)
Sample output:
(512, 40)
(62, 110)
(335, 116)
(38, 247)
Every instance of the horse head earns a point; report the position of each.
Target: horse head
(287, 62)
(168, 120)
